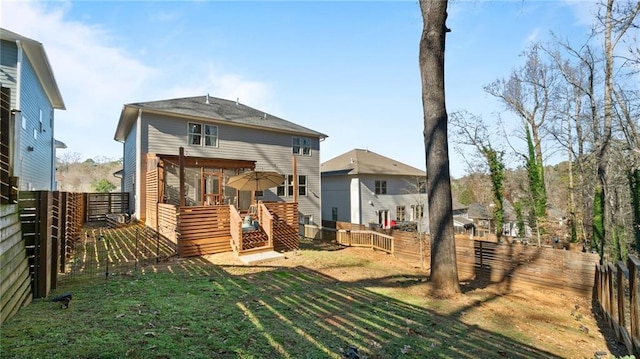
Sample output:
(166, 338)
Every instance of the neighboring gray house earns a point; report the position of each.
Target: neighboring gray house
(220, 131)
(361, 186)
(30, 95)
(475, 214)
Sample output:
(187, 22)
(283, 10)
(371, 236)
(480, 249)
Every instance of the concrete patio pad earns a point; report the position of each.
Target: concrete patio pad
(261, 257)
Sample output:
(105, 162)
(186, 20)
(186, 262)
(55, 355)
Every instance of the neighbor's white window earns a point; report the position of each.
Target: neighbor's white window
(400, 213)
(301, 145)
(196, 134)
(418, 211)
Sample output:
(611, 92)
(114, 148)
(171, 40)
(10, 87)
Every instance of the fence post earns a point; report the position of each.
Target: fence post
(633, 299)
(135, 266)
(42, 260)
(481, 263)
(55, 238)
(157, 247)
(620, 286)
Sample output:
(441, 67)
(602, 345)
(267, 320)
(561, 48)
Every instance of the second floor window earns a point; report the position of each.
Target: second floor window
(301, 145)
(381, 187)
(203, 135)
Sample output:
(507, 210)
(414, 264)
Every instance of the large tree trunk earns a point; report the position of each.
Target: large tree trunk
(444, 272)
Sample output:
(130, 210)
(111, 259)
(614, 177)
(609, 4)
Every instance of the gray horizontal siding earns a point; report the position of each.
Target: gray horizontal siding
(8, 68)
(336, 193)
(271, 151)
(36, 167)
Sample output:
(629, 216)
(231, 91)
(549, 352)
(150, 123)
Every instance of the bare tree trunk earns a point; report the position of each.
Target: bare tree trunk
(601, 158)
(444, 272)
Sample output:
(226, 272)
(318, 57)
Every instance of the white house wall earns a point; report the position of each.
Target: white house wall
(401, 191)
(129, 168)
(271, 150)
(355, 203)
(336, 192)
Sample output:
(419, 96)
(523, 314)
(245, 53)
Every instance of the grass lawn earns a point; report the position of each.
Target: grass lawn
(320, 302)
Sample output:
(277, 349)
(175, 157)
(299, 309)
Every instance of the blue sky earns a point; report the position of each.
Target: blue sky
(348, 69)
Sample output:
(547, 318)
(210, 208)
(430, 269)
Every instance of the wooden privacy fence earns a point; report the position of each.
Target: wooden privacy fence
(286, 235)
(99, 205)
(617, 296)
(15, 282)
(203, 230)
(51, 225)
(37, 235)
(514, 265)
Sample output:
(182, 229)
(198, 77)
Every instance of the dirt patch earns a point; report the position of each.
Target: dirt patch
(560, 323)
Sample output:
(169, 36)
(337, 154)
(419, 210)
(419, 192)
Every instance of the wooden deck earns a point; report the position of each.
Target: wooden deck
(201, 230)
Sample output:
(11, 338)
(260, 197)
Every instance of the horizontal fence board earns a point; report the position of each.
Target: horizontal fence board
(18, 295)
(15, 282)
(522, 265)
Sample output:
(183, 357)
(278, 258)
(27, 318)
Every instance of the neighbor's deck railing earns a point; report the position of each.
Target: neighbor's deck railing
(616, 286)
(371, 239)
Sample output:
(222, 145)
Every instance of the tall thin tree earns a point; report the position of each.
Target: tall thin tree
(444, 272)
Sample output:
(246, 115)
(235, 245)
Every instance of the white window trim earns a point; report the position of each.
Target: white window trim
(301, 146)
(203, 135)
(286, 185)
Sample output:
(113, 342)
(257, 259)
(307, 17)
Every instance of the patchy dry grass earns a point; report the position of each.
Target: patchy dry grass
(317, 303)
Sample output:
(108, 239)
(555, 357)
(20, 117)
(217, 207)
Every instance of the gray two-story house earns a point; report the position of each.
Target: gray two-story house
(30, 96)
(219, 138)
(363, 187)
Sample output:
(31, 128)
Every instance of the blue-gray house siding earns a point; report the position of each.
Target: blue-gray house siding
(37, 171)
(25, 71)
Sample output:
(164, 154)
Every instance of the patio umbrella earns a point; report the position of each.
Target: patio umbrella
(255, 180)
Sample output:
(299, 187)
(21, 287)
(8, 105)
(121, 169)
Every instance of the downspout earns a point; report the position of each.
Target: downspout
(18, 124)
(19, 75)
(139, 174)
(54, 183)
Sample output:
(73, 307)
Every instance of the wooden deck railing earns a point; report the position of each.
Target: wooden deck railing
(202, 230)
(370, 239)
(617, 294)
(236, 229)
(266, 221)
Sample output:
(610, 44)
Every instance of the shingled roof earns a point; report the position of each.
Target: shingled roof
(211, 109)
(358, 161)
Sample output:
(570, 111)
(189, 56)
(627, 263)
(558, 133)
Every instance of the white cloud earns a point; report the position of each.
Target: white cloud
(533, 36)
(584, 11)
(228, 86)
(97, 74)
